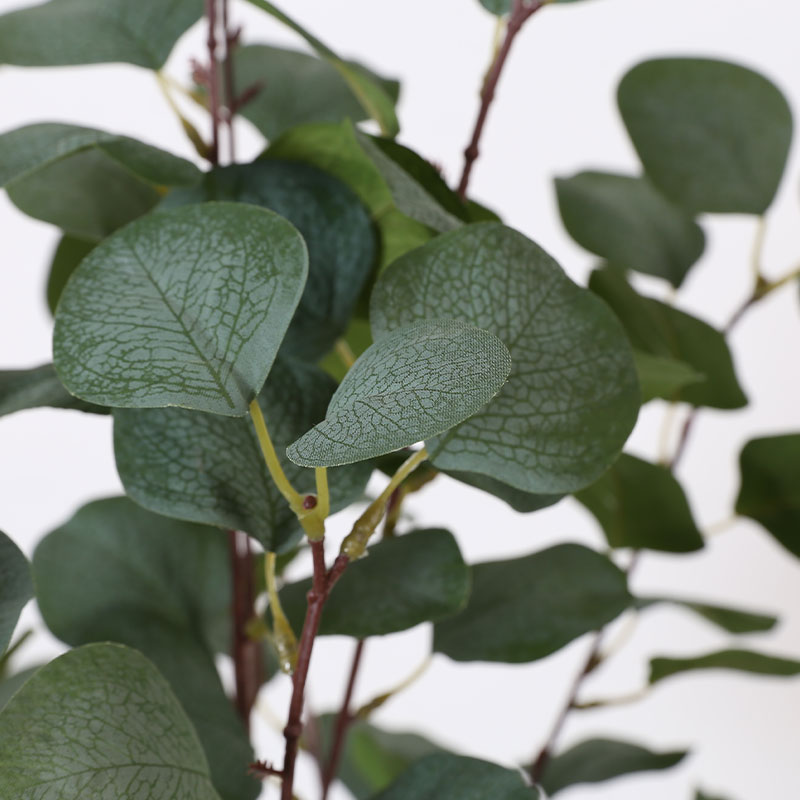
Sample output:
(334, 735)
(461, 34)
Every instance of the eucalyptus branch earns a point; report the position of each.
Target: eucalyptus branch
(213, 79)
(231, 38)
(520, 12)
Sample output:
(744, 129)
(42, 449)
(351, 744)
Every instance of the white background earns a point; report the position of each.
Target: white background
(554, 115)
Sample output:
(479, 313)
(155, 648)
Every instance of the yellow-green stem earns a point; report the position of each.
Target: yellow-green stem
(284, 638)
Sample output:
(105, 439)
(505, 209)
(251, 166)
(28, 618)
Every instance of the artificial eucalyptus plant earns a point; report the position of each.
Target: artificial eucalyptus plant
(269, 335)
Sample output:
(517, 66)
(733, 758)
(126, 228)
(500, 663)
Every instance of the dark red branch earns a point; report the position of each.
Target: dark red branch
(520, 12)
(231, 41)
(213, 79)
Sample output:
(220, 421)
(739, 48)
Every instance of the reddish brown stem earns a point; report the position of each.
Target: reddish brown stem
(343, 721)
(213, 79)
(231, 40)
(520, 12)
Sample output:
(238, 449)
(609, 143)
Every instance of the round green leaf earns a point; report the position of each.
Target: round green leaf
(572, 397)
(208, 468)
(16, 587)
(183, 308)
(526, 608)
(414, 383)
(713, 136)
(100, 721)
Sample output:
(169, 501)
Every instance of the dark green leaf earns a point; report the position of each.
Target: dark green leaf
(498, 7)
(372, 96)
(16, 587)
(572, 397)
(733, 620)
(642, 505)
(661, 330)
(406, 580)
(524, 609)
(712, 136)
(64, 32)
(660, 376)
(415, 382)
(295, 88)
(186, 307)
(742, 660)
(11, 684)
(69, 253)
(597, 760)
(630, 224)
(100, 721)
(702, 796)
(21, 389)
(444, 776)
(162, 587)
(341, 241)
(208, 468)
(770, 490)
(523, 502)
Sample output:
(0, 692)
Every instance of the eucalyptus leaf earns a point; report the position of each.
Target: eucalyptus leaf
(499, 7)
(443, 776)
(186, 307)
(355, 341)
(65, 32)
(703, 796)
(341, 241)
(162, 587)
(405, 581)
(733, 620)
(572, 397)
(10, 684)
(100, 721)
(372, 96)
(664, 377)
(660, 330)
(293, 88)
(741, 660)
(630, 224)
(69, 252)
(21, 389)
(16, 587)
(769, 491)
(209, 468)
(597, 760)
(414, 383)
(526, 608)
(712, 135)
(522, 502)
(642, 505)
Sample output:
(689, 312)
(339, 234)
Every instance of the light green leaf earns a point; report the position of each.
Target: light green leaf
(414, 383)
(185, 307)
(16, 587)
(162, 587)
(523, 502)
(208, 468)
(443, 776)
(642, 505)
(572, 397)
(526, 608)
(21, 389)
(373, 98)
(660, 376)
(770, 493)
(407, 580)
(100, 721)
(295, 88)
(741, 660)
(341, 241)
(733, 620)
(69, 252)
(597, 760)
(713, 136)
(661, 330)
(64, 32)
(630, 224)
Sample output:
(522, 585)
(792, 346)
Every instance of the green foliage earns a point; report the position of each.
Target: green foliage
(741, 660)
(662, 376)
(68, 254)
(16, 587)
(526, 608)
(185, 308)
(712, 136)
(597, 760)
(733, 620)
(413, 383)
(100, 721)
(21, 389)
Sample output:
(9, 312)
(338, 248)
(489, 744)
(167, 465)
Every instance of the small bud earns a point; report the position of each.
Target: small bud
(309, 502)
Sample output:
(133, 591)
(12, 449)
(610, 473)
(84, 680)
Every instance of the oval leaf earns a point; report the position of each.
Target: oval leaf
(184, 308)
(100, 721)
(208, 468)
(16, 587)
(661, 376)
(524, 609)
(21, 389)
(68, 254)
(741, 660)
(406, 580)
(572, 397)
(414, 383)
(713, 136)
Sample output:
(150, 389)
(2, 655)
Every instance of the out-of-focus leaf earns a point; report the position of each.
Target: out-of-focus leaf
(741, 660)
(733, 620)
(16, 587)
(21, 389)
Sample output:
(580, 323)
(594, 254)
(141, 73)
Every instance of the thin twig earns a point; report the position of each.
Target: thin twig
(520, 12)
(213, 79)
(231, 40)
